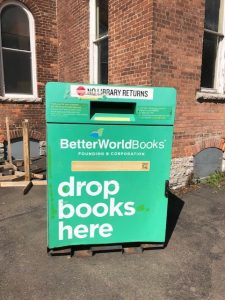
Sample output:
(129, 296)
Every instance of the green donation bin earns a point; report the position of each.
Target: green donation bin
(108, 156)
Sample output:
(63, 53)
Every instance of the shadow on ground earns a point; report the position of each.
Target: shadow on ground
(175, 206)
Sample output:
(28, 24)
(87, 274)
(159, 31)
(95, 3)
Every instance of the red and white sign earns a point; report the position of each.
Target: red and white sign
(81, 91)
(98, 91)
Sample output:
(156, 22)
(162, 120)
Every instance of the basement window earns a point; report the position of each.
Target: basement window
(98, 41)
(212, 79)
(207, 162)
(17, 51)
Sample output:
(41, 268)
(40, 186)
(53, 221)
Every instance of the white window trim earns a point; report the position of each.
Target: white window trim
(94, 59)
(34, 95)
(93, 47)
(219, 79)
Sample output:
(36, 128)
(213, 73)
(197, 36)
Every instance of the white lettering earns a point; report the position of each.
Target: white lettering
(111, 188)
(104, 208)
(94, 184)
(93, 227)
(62, 207)
(68, 185)
(130, 210)
(105, 230)
(64, 143)
(62, 229)
(115, 208)
(81, 231)
(108, 144)
(83, 206)
(80, 184)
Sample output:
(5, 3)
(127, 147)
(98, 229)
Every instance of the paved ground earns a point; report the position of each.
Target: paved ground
(192, 266)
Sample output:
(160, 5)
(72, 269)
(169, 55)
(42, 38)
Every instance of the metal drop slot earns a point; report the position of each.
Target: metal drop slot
(112, 111)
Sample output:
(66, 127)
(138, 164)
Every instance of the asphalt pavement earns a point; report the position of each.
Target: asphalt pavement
(192, 266)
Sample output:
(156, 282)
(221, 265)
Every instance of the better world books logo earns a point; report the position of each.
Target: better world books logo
(97, 133)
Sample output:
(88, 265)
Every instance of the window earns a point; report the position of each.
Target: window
(207, 162)
(213, 46)
(98, 41)
(18, 62)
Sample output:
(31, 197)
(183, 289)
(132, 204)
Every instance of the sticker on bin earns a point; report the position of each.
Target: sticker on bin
(94, 92)
(109, 166)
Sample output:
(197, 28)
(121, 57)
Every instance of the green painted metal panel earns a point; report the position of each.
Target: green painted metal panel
(106, 179)
(65, 105)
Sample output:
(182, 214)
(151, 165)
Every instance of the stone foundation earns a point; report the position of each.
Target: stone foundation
(223, 162)
(181, 171)
(1, 152)
(42, 145)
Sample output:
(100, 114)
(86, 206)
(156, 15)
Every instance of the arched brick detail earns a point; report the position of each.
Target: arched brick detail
(33, 8)
(18, 133)
(208, 143)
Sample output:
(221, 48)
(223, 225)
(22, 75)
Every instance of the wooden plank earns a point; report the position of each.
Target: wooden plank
(39, 182)
(6, 166)
(10, 166)
(85, 166)
(21, 183)
(27, 187)
(152, 246)
(18, 163)
(9, 149)
(33, 169)
(18, 178)
(106, 248)
(61, 252)
(13, 184)
(132, 250)
(8, 177)
(19, 173)
(37, 170)
(26, 150)
(37, 176)
(83, 253)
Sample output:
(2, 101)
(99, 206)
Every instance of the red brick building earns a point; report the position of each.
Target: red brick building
(28, 59)
(149, 42)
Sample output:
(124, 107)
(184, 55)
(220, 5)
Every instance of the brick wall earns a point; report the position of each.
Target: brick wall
(151, 42)
(160, 43)
(130, 41)
(44, 13)
(176, 61)
(73, 35)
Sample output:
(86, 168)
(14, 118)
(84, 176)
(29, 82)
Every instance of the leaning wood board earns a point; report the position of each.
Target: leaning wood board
(22, 183)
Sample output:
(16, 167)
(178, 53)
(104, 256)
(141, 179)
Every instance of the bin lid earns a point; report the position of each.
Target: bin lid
(109, 104)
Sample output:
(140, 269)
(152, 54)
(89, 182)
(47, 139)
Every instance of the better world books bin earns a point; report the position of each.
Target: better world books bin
(109, 154)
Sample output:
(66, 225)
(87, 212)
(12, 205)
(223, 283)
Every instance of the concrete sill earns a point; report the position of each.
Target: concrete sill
(210, 97)
(20, 100)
